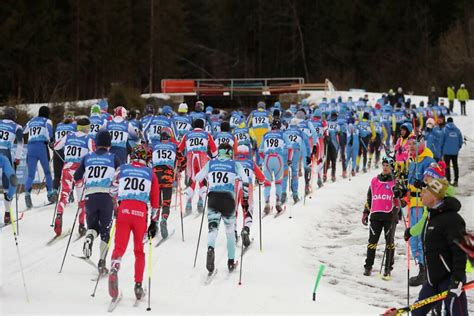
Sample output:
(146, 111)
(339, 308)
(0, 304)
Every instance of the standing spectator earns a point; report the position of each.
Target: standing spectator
(463, 96)
(452, 143)
(451, 97)
(433, 97)
(434, 138)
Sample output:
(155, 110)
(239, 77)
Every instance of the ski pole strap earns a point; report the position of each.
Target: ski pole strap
(318, 278)
(149, 257)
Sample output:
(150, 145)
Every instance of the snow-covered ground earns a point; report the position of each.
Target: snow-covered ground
(279, 279)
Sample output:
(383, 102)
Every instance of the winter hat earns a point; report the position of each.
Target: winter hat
(95, 109)
(431, 122)
(9, 113)
(103, 139)
(438, 187)
(183, 108)
(450, 120)
(436, 170)
(83, 123)
(44, 112)
(407, 126)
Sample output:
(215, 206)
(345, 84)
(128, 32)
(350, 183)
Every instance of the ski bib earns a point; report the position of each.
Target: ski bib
(294, 137)
(318, 127)
(164, 154)
(99, 171)
(224, 138)
(260, 120)
(95, 123)
(7, 133)
(75, 148)
(183, 124)
(63, 129)
(235, 120)
(37, 130)
(134, 183)
(382, 195)
(273, 143)
(197, 141)
(364, 128)
(119, 133)
(156, 125)
(222, 176)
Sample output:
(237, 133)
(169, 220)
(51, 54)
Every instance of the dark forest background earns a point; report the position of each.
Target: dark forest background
(70, 50)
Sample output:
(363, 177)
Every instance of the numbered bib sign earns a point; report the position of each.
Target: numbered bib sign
(37, 129)
(332, 126)
(164, 154)
(183, 126)
(118, 133)
(135, 183)
(75, 148)
(94, 128)
(7, 134)
(273, 143)
(197, 141)
(234, 121)
(100, 170)
(224, 138)
(260, 120)
(294, 138)
(221, 176)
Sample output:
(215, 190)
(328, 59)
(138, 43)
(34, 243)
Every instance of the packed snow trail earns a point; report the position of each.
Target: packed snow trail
(279, 279)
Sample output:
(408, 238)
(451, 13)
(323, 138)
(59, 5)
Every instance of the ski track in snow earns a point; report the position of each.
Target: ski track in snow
(279, 279)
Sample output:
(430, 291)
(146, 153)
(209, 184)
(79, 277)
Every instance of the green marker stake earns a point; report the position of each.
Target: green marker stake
(318, 278)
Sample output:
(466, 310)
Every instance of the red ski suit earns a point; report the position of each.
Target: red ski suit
(132, 217)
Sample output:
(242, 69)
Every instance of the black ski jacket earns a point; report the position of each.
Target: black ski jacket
(443, 258)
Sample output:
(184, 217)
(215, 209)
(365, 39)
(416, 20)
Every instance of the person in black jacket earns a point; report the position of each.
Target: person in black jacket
(445, 262)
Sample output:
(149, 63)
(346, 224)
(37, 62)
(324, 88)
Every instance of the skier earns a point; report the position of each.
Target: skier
(352, 149)
(138, 186)
(97, 121)
(137, 126)
(333, 146)
(66, 127)
(40, 134)
(342, 123)
(221, 174)
(149, 113)
(421, 158)
(165, 160)
(308, 129)
(196, 144)
(10, 132)
(156, 124)
(320, 126)
(76, 146)
(225, 136)
(258, 123)
(366, 132)
(104, 107)
(98, 170)
(451, 145)
(183, 121)
(244, 144)
(301, 152)
(401, 148)
(8, 173)
(120, 130)
(434, 138)
(382, 207)
(376, 143)
(275, 151)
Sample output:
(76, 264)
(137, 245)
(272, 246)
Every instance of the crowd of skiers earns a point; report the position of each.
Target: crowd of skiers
(124, 168)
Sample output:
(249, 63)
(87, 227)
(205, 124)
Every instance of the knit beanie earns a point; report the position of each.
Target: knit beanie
(103, 139)
(438, 187)
(44, 111)
(436, 170)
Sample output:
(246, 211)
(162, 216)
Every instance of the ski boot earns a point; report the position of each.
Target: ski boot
(52, 196)
(138, 291)
(357, 169)
(189, 208)
(267, 208)
(353, 173)
(231, 265)
(200, 206)
(367, 271)
(369, 163)
(364, 169)
(113, 280)
(6, 218)
(455, 183)
(101, 267)
(88, 242)
(28, 200)
(71, 198)
(296, 199)
(278, 207)
(320, 183)
(58, 224)
(333, 178)
(210, 259)
(344, 174)
(245, 236)
(420, 278)
(164, 228)
(386, 276)
(283, 197)
(307, 190)
(82, 229)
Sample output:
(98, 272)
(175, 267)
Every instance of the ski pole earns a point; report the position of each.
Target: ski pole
(241, 262)
(260, 213)
(72, 230)
(178, 192)
(200, 230)
(290, 189)
(149, 272)
(318, 278)
(56, 206)
(19, 258)
(112, 234)
(16, 206)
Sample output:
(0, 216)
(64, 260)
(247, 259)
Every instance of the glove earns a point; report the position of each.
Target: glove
(152, 230)
(7, 198)
(455, 288)
(289, 162)
(365, 218)
(51, 145)
(418, 184)
(397, 192)
(308, 161)
(16, 162)
(407, 234)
